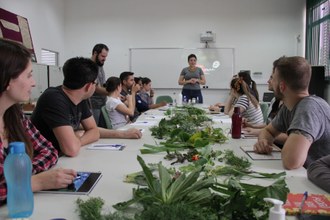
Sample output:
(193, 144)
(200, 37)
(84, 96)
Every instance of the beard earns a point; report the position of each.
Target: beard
(277, 93)
(98, 62)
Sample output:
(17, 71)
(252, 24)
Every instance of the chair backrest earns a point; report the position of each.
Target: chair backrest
(165, 98)
(106, 117)
(264, 108)
(268, 96)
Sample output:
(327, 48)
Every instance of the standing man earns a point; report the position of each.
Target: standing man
(305, 118)
(99, 98)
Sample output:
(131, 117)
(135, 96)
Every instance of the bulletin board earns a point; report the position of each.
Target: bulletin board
(16, 28)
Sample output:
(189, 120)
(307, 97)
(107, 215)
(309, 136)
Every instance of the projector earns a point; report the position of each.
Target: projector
(207, 37)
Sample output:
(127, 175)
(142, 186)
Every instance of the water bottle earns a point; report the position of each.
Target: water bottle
(179, 99)
(174, 100)
(184, 100)
(17, 170)
(236, 123)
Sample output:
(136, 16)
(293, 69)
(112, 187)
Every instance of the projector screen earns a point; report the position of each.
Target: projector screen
(164, 65)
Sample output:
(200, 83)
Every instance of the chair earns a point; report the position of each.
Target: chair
(106, 117)
(163, 98)
(264, 108)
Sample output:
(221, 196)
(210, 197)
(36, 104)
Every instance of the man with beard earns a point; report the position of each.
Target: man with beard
(275, 106)
(129, 88)
(305, 118)
(99, 98)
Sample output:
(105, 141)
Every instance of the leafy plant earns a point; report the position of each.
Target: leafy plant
(245, 201)
(188, 189)
(178, 211)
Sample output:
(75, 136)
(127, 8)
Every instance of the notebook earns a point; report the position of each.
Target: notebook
(315, 204)
(82, 185)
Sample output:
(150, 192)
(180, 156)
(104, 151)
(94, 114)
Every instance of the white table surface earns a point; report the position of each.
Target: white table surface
(114, 165)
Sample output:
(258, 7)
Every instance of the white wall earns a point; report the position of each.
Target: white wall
(259, 30)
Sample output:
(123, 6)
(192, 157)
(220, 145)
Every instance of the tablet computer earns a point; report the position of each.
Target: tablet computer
(83, 184)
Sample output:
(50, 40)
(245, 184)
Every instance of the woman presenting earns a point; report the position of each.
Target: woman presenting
(191, 78)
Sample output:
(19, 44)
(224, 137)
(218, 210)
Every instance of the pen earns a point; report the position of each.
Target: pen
(305, 196)
(109, 145)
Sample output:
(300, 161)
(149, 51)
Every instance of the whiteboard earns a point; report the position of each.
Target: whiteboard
(164, 65)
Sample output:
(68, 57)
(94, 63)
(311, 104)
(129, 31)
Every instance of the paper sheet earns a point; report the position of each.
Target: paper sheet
(274, 155)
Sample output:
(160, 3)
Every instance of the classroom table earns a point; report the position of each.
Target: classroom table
(114, 165)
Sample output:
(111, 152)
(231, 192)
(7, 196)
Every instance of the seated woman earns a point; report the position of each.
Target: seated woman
(246, 76)
(144, 100)
(249, 106)
(15, 86)
(220, 106)
(118, 112)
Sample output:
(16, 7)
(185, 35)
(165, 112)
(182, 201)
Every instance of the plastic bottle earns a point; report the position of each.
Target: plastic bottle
(236, 123)
(184, 100)
(17, 170)
(276, 212)
(179, 99)
(175, 103)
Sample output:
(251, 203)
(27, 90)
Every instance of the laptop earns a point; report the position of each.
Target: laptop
(268, 96)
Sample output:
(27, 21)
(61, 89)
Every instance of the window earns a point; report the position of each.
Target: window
(318, 34)
(49, 57)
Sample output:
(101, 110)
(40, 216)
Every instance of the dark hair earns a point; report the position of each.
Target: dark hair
(192, 56)
(78, 71)
(99, 47)
(240, 86)
(145, 80)
(112, 83)
(124, 75)
(137, 80)
(246, 76)
(275, 63)
(14, 59)
(295, 72)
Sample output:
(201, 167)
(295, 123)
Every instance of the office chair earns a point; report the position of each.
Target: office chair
(106, 117)
(165, 98)
(264, 108)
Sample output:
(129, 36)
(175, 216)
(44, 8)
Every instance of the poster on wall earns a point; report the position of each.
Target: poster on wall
(16, 28)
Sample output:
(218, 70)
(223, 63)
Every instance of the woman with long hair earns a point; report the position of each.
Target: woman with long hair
(16, 82)
(248, 104)
(246, 76)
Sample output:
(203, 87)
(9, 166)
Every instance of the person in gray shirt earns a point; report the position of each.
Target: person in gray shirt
(319, 173)
(305, 118)
(191, 78)
(99, 98)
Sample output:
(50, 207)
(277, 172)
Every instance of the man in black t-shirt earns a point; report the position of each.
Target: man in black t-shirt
(63, 110)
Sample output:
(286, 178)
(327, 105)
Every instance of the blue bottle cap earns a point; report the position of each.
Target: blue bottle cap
(16, 147)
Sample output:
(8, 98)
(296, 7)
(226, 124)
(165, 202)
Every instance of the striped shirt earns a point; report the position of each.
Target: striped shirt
(251, 113)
